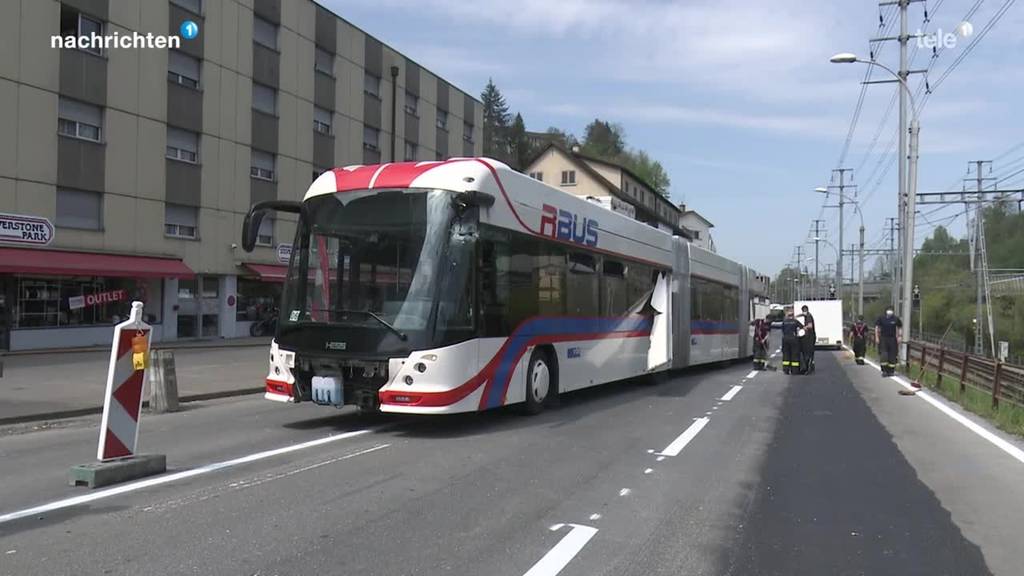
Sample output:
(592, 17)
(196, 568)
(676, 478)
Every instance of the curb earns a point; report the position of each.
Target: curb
(76, 412)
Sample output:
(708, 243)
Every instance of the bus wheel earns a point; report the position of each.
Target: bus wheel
(540, 381)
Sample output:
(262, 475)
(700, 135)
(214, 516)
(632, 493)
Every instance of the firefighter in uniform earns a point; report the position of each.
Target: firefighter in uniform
(859, 335)
(888, 333)
(808, 340)
(791, 344)
(762, 328)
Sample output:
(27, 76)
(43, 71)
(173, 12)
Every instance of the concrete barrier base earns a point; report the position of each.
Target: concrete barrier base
(96, 474)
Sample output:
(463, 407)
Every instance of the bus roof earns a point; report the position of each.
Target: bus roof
(521, 203)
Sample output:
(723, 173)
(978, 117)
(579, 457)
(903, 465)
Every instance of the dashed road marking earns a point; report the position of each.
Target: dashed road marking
(624, 492)
(732, 393)
(683, 439)
(595, 516)
(659, 458)
(752, 374)
(648, 470)
(567, 548)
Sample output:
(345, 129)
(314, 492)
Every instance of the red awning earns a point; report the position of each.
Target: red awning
(63, 263)
(269, 272)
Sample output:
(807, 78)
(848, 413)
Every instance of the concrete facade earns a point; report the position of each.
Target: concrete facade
(130, 168)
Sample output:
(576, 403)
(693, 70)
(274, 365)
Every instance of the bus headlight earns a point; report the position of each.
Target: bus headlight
(420, 367)
(408, 380)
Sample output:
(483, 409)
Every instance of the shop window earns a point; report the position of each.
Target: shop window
(83, 301)
(256, 299)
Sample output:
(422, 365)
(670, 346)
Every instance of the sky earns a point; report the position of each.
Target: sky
(737, 98)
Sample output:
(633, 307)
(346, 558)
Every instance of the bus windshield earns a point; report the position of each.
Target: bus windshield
(396, 260)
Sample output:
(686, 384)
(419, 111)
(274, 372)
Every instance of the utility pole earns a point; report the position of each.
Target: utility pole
(799, 272)
(817, 239)
(842, 202)
(979, 235)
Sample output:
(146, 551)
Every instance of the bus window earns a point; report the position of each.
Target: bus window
(549, 275)
(582, 285)
(639, 284)
(493, 271)
(613, 288)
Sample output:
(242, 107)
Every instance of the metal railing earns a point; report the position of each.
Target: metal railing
(1003, 381)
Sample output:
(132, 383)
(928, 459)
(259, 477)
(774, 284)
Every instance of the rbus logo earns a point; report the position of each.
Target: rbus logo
(565, 225)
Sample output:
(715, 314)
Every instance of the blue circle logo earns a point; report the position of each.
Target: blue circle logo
(189, 29)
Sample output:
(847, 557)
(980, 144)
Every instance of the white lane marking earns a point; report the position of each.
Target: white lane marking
(648, 470)
(732, 393)
(650, 451)
(624, 492)
(595, 516)
(998, 442)
(752, 374)
(166, 479)
(567, 548)
(690, 433)
(659, 458)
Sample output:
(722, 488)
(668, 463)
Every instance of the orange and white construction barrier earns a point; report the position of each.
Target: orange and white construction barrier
(122, 404)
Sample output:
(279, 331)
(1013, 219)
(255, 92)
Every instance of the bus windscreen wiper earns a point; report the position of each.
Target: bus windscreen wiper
(401, 335)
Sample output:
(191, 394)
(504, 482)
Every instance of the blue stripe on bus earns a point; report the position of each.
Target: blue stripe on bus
(707, 327)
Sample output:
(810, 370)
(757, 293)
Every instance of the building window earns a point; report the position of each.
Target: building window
(194, 6)
(442, 119)
(264, 32)
(180, 221)
(410, 151)
(79, 120)
(265, 235)
(182, 69)
(537, 176)
(371, 138)
(371, 85)
(262, 165)
(264, 99)
(79, 209)
(411, 103)
(67, 301)
(324, 62)
(74, 23)
(321, 120)
(568, 177)
(467, 131)
(182, 145)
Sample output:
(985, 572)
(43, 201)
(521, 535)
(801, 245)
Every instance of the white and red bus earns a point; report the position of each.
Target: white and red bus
(456, 286)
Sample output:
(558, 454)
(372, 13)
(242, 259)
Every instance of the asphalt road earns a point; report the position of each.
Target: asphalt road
(789, 475)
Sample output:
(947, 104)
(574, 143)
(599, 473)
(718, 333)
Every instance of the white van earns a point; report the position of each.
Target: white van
(828, 320)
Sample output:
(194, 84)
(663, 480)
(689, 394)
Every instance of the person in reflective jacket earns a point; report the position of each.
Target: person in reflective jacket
(859, 336)
(762, 328)
(888, 332)
(791, 328)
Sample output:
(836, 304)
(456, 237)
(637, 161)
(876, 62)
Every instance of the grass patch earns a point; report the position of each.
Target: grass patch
(1008, 417)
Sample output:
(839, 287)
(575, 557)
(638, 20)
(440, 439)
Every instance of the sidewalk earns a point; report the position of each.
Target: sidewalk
(56, 384)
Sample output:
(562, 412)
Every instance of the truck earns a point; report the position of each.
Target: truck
(828, 321)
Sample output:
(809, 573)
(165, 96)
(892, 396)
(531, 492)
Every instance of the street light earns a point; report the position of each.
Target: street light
(908, 187)
(860, 255)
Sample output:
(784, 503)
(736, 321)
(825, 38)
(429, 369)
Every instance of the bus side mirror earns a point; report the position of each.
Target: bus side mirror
(475, 198)
(253, 219)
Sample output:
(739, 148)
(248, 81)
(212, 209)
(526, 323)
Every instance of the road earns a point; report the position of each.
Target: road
(717, 471)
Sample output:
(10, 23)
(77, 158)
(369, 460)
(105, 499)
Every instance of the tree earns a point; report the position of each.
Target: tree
(496, 122)
(604, 140)
(561, 137)
(520, 150)
(649, 170)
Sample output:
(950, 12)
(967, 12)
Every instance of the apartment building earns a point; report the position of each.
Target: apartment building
(608, 183)
(125, 173)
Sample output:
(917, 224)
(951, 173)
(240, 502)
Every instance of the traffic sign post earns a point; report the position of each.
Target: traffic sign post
(122, 406)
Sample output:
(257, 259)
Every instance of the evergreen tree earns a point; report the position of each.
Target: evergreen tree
(496, 122)
(604, 140)
(520, 151)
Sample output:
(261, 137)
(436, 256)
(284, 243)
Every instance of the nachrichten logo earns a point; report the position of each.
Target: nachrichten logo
(95, 42)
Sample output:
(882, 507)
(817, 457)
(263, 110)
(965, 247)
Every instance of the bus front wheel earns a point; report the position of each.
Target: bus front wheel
(541, 381)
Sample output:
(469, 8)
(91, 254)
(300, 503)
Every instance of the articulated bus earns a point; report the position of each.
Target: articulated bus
(462, 285)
